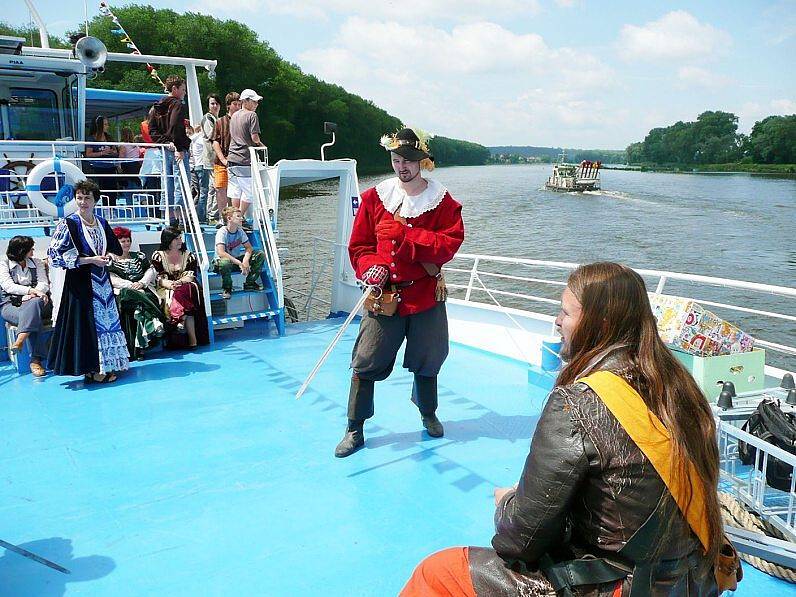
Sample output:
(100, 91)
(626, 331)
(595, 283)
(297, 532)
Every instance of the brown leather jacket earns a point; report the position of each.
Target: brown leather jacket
(585, 490)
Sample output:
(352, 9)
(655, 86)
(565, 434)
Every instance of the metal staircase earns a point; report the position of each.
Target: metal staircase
(245, 305)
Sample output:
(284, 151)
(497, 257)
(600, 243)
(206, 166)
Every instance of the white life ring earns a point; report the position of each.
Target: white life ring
(33, 186)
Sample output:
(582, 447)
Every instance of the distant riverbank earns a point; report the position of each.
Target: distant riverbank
(708, 168)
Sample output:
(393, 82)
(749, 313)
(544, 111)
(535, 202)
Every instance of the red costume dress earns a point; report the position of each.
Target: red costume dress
(433, 233)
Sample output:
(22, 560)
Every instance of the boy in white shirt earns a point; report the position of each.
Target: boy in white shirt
(234, 253)
(200, 175)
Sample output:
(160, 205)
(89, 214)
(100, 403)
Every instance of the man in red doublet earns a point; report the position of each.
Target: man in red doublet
(406, 229)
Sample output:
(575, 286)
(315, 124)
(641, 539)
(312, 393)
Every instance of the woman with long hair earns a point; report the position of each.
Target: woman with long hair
(179, 291)
(99, 158)
(591, 513)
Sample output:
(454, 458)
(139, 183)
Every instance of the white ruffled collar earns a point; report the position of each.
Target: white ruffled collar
(394, 197)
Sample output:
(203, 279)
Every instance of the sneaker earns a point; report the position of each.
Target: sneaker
(254, 287)
(247, 226)
(226, 294)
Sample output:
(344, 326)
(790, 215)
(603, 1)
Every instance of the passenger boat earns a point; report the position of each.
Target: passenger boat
(200, 473)
(574, 177)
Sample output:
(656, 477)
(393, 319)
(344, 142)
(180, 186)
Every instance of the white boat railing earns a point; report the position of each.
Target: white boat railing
(193, 229)
(126, 200)
(484, 278)
(263, 197)
(318, 295)
(748, 483)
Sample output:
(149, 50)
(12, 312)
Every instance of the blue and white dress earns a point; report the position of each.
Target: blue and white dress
(88, 337)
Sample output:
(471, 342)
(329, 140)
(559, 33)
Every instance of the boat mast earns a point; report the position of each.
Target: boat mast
(43, 36)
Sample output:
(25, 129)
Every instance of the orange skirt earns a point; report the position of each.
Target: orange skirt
(447, 574)
(443, 574)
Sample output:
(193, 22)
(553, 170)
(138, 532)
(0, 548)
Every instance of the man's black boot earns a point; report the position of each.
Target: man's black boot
(433, 426)
(424, 395)
(352, 441)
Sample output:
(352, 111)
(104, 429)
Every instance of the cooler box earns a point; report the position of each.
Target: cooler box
(746, 370)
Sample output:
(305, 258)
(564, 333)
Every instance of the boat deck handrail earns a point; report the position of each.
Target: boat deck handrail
(477, 276)
(193, 229)
(748, 483)
(263, 198)
(135, 206)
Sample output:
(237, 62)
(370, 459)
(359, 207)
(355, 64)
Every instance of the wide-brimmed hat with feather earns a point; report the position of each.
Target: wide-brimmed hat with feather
(410, 144)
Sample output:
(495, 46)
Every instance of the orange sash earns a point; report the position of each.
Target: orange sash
(653, 439)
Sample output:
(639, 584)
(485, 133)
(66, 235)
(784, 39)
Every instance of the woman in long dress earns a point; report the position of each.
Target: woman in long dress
(88, 338)
(133, 280)
(178, 289)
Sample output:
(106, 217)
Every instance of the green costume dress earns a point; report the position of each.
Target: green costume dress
(139, 310)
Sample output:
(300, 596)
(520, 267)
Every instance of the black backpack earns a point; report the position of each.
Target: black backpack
(778, 428)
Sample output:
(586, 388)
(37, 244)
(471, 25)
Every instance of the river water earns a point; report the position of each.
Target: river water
(726, 225)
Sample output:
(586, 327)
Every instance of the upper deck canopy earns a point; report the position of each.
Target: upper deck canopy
(122, 104)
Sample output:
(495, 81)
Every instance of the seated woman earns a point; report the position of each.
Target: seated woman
(134, 282)
(177, 288)
(592, 514)
(88, 338)
(24, 301)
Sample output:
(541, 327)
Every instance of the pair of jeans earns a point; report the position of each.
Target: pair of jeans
(201, 178)
(174, 189)
(226, 268)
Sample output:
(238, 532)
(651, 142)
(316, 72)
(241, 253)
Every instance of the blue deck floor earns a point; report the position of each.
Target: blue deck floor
(200, 474)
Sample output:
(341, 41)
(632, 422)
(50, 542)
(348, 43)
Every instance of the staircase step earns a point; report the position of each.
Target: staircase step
(215, 295)
(269, 314)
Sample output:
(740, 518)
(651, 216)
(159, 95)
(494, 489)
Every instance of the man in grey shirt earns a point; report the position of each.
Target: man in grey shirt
(244, 132)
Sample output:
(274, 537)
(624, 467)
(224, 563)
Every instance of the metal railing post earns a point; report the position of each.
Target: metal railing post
(473, 274)
(661, 284)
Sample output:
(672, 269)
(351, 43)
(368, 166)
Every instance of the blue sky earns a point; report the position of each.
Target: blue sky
(526, 72)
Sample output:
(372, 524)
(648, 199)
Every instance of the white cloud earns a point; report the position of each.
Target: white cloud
(676, 36)
(752, 112)
(407, 10)
(468, 49)
(695, 76)
(783, 107)
(779, 25)
(477, 80)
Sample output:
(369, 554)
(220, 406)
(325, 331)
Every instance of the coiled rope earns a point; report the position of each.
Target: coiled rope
(735, 514)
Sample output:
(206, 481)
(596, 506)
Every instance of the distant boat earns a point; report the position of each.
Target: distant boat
(574, 177)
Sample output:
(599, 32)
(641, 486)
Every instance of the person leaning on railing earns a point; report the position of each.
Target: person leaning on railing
(24, 298)
(619, 491)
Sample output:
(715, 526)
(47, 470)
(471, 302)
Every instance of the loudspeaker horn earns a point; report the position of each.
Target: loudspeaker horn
(91, 52)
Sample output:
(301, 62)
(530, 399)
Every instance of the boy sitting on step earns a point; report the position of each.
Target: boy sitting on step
(234, 253)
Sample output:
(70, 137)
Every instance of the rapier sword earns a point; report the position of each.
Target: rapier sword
(33, 556)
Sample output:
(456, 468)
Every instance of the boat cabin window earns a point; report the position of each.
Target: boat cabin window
(33, 114)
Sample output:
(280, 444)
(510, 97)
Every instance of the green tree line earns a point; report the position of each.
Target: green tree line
(512, 153)
(714, 139)
(295, 106)
(455, 151)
